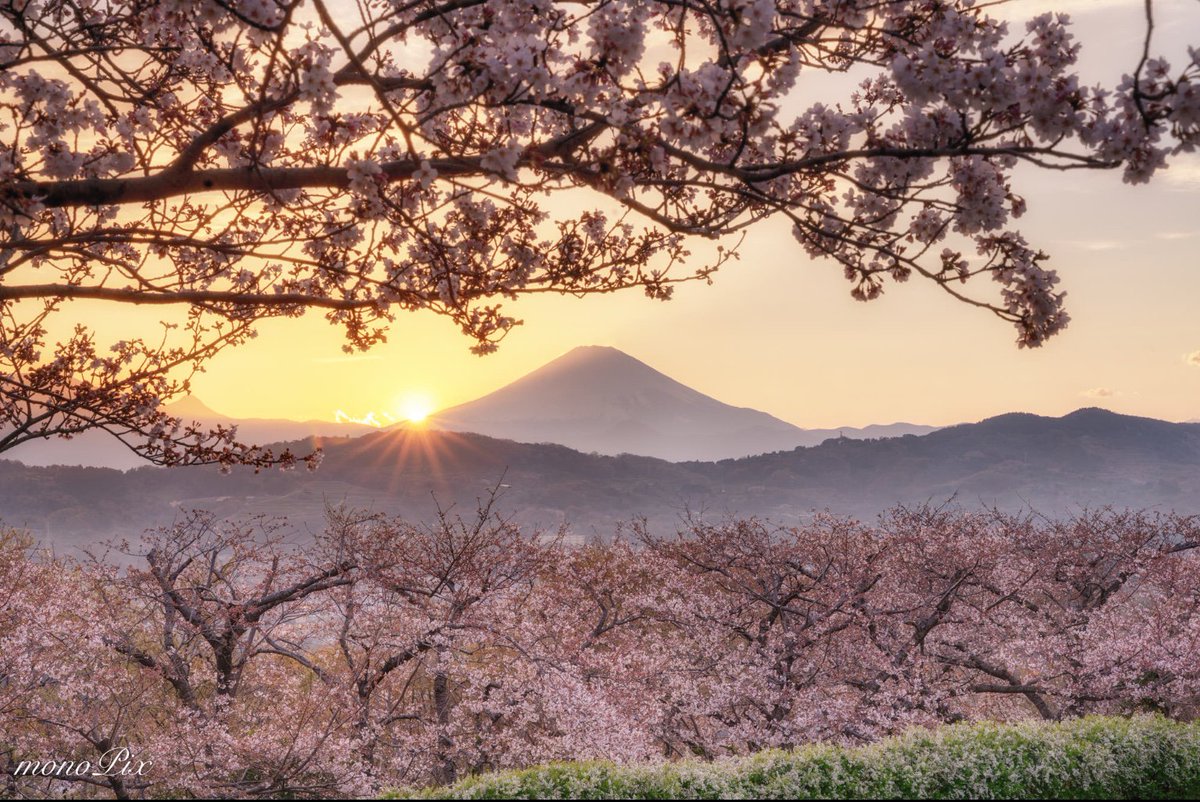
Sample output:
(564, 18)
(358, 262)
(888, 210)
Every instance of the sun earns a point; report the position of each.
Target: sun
(415, 407)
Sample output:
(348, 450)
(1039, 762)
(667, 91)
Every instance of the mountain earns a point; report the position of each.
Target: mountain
(99, 449)
(592, 399)
(1088, 458)
(599, 399)
(1056, 466)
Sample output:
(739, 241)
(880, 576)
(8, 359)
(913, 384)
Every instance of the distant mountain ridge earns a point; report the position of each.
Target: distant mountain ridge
(102, 450)
(1089, 458)
(599, 399)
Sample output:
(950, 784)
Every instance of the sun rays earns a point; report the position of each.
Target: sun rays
(411, 407)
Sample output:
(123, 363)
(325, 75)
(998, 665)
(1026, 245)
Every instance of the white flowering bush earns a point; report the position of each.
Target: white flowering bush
(1098, 757)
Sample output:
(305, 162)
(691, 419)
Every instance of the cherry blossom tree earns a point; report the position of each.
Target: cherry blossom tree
(211, 621)
(61, 693)
(844, 632)
(431, 640)
(239, 160)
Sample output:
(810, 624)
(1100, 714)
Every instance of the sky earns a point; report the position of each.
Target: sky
(778, 331)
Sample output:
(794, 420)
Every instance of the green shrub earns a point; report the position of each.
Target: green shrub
(1146, 757)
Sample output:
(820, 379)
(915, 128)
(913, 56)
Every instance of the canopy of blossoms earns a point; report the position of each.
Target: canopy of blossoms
(387, 654)
(233, 160)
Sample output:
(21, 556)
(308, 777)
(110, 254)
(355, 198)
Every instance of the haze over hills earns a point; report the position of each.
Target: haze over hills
(599, 399)
(101, 450)
(607, 404)
(1090, 458)
(266, 430)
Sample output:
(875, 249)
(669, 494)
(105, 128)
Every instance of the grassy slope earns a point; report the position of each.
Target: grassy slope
(1092, 758)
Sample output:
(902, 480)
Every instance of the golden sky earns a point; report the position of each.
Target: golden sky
(779, 332)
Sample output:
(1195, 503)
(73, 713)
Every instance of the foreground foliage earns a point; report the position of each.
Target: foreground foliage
(384, 654)
(1092, 758)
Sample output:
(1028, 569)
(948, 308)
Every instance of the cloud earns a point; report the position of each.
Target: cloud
(1182, 174)
(1028, 8)
(1100, 392)
(1192, 359)
(370, 419)
(1097, 244)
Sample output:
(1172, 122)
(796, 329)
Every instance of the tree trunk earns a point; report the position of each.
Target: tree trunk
(445, 771)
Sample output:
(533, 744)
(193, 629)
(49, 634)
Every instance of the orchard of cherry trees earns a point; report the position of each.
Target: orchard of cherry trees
(387, 654)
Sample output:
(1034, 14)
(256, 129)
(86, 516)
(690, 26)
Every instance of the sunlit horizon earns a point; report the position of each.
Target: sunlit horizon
(411, 407)
(416, 407)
